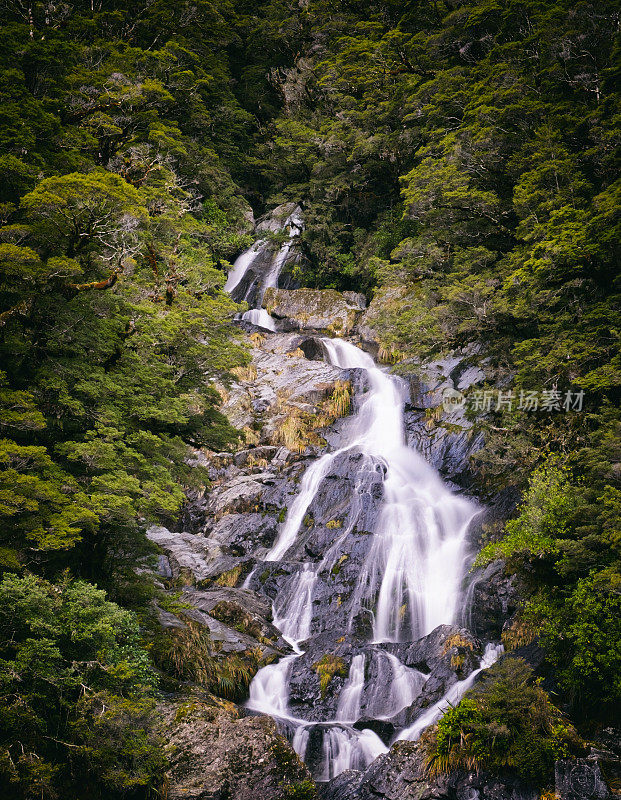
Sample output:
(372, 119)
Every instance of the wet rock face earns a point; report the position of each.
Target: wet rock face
(315, 309)
(494, 598)
(286, 217)
(237, 521)
(216, 755)
(444, 436)
(426, 669)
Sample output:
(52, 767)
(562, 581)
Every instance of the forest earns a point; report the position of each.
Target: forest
(457, 162)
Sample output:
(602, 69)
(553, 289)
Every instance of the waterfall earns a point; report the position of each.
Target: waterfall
(418, 556)
(412, 576)
(349, 702)
(404, 685)
(259, 268)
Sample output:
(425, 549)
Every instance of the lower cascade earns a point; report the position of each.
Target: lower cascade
(410, 581)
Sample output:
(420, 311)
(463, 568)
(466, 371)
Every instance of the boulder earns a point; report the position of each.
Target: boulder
(400, 775)
(188, 557)
(580, 779)
(214, 754)
(494, 598)
(314, 309)
(240, 617)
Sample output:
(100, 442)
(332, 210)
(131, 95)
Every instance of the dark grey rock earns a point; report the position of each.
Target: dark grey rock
(492, 598)
(580, 779)
(400, 775)
(242, 609)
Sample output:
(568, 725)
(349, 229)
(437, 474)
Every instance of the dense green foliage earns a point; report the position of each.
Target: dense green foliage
(458, 161)
(119, 213)
(506, 724)
(76, 687)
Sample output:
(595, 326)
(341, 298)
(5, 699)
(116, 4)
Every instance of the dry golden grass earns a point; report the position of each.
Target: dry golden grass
(245, 374)
(456, 640)
(519, 634)
(390, 354)
(229, 578)
(296, 429)
(257, 339)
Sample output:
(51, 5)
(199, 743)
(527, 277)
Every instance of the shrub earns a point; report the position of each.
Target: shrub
(189, 654)
(545, 517)
(78, 715)
(506, 724)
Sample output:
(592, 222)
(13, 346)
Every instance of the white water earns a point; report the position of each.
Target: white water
(346, 748)
(418, 555)
(412, 575)
(351, 695)
(452, 697)
(242, 264)
(259, 317)
(405, 684)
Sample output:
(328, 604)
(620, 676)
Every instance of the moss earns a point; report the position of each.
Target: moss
(229, 578)
(304, 790)
(337, 567)
(334, 523)
(184, 710)
(233, 615)
(282, 514)
(328, 667)
(264, 576)
(285, 756)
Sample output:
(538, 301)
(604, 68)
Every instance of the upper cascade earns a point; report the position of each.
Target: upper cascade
(259, 268)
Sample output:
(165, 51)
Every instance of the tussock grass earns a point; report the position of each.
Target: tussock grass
(327, 668)
(297, 429)
(189, 654)
(245, 374)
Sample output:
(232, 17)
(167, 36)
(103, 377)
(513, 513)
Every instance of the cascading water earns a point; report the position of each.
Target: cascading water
(452, 697)
(411, 576)
(247, 283)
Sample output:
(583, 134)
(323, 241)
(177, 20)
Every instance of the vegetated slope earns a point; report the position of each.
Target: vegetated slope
(460, 161)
